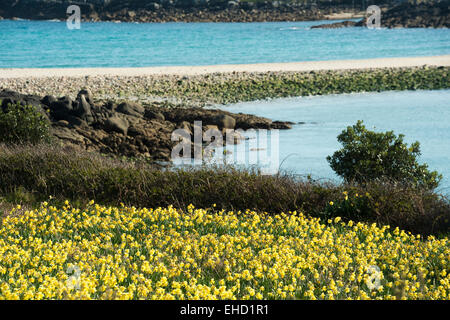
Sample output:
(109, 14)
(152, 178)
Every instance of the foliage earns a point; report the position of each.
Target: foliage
(22, 124)
(351, 207)
(367, 156)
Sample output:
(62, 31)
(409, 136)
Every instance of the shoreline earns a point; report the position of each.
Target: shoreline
(176, 11)
(304, 66)
(326, 17)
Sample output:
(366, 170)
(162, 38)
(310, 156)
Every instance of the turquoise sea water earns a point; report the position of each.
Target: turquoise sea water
(51, 44)
(420, 115)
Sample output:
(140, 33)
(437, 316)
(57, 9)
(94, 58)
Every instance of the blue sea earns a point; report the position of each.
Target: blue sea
(48, 44)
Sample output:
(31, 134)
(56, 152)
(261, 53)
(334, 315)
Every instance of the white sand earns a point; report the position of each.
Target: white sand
(260, 67)
(345, 15)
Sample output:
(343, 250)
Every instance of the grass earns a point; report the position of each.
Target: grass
(34, 174)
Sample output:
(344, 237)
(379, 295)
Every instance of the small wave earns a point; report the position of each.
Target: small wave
(291, 28)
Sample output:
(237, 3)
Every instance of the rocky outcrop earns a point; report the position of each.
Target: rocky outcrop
(406, 15)
(128, 128)
(336, 25)
(175, 10)
(12, 97)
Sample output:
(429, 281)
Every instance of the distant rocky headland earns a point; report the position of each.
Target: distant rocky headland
(183, 10)
(395, 14)
(406, 15)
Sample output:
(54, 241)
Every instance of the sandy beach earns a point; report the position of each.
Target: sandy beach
(201, 70)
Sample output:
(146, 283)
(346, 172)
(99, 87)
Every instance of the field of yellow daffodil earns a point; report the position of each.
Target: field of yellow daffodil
(128, 253)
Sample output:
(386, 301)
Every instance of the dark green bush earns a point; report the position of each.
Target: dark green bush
(45, 171)
(23, 124)
(367, 156)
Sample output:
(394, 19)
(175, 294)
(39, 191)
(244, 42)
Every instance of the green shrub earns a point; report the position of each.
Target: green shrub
(23, 124)
(367, 156)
